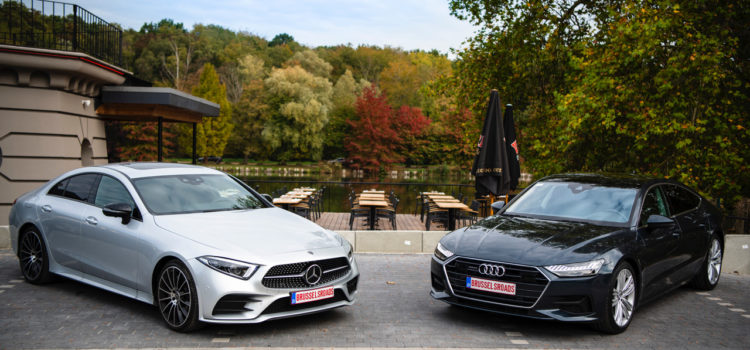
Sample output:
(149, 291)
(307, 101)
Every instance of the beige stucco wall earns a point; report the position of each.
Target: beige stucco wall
(47, 114)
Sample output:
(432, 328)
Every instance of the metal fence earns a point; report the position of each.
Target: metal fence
(59, 26)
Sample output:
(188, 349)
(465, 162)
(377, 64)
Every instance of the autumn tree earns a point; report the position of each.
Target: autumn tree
(213, 132)
(379, 135)
(344, 97)
(298, 105)
(250, 113)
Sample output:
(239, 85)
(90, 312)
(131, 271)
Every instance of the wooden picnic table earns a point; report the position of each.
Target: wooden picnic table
(373, 205)
(438, 196)
(286, 201)
(373, 191)
(371, 196)
(446, 200)
(453, 208)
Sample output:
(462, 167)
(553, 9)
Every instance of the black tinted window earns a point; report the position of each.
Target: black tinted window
(80, 187)
(59, 188)
(680, 199)
(654, 204)
(112, 191)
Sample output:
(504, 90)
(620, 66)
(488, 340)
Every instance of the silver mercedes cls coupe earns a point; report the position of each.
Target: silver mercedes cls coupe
(197, 243)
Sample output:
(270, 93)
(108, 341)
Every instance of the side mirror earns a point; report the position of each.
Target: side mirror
(119, 210)
(497, 206)
(658, 221)
(267, 197)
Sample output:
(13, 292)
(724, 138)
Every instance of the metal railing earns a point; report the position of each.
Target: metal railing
(59, 26)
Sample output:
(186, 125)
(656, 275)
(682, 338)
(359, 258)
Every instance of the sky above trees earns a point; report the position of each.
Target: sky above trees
(409, 24)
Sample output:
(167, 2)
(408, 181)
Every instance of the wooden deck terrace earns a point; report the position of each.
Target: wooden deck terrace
(404, 222)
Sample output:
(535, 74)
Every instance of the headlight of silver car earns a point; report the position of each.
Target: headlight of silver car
(442, 253)
(234, 268)
(581, 269)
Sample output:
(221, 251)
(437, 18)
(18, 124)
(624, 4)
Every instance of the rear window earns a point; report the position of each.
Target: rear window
(81, 187)
(681, 199)
(59, 188)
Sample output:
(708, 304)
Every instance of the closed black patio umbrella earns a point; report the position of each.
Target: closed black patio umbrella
(511, 147)
(491, 161)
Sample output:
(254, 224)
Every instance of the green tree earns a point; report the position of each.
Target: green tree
(213, 132)
(661, 95)
(251, 112)
(299, 105)
(655, 87)
(345, 93)
(310, 61)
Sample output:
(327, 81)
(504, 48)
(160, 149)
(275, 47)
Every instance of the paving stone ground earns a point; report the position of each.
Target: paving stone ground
(394, 310)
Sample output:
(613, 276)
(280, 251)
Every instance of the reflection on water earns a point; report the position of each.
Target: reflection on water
(337, 189)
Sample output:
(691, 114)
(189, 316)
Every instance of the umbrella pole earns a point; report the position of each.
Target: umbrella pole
(492, 200)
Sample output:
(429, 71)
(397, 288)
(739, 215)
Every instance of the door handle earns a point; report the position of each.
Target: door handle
(47, 208)
(92, 220)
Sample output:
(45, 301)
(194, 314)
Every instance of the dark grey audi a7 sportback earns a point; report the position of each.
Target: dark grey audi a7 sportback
(582, 248)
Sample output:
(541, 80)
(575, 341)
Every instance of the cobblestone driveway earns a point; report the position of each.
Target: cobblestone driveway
(394, 311)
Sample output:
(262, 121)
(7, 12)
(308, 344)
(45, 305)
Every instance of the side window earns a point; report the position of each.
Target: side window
(81, 187)
(654, 204)
(680, 199)
(111, 191)
(59, 188)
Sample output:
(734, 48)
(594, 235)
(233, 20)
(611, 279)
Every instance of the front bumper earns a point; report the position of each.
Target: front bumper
(563, 299)
(225, 299)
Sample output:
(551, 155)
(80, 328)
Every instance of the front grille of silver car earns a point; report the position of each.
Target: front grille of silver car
(530, 282)
(291, 276)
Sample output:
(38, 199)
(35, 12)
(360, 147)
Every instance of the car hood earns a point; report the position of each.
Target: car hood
(252, 232)
(532, 242)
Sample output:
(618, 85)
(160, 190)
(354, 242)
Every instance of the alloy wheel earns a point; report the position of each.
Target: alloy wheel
(31, 256)
(714, 263)
(174, 296)
(623, 298)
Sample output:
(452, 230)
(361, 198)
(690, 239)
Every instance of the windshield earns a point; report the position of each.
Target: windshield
(177, 194)
(575, 201)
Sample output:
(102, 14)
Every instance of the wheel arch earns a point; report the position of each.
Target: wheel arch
(637, 273)
(26, 227)
(155, 274)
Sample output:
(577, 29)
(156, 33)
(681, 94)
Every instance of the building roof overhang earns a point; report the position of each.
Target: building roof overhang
(137, 103)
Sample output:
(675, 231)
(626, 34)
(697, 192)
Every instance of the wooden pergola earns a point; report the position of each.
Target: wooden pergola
(145, 104)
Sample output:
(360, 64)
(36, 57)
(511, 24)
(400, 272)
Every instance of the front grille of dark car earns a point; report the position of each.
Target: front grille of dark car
(285, 304)
(291, 276)
(530, 282)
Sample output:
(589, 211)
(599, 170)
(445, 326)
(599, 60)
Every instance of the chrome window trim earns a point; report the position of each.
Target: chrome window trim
(454, 257)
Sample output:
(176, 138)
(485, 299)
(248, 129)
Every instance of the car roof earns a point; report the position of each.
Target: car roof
(607, 179)
(136, 170)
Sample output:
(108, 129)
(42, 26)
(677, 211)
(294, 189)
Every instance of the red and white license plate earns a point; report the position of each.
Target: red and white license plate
(311, 295)
(491, 286)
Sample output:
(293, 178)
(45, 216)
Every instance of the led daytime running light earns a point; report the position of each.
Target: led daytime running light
(237, 269)
(576, 269)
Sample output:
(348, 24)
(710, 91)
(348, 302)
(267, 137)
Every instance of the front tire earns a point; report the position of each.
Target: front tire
(33, 258)
(708, 276)
(177, 297)
(621, 299)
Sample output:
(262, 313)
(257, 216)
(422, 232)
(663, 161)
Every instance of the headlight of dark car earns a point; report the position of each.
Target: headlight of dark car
(582, 269)
(234, 268)
(442, 253)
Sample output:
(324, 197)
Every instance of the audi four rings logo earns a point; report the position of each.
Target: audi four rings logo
(492, 270)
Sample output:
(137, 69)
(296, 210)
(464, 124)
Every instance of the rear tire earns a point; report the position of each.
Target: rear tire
(33, 258)
(177, 297)
(708, 276)
(621, 298)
